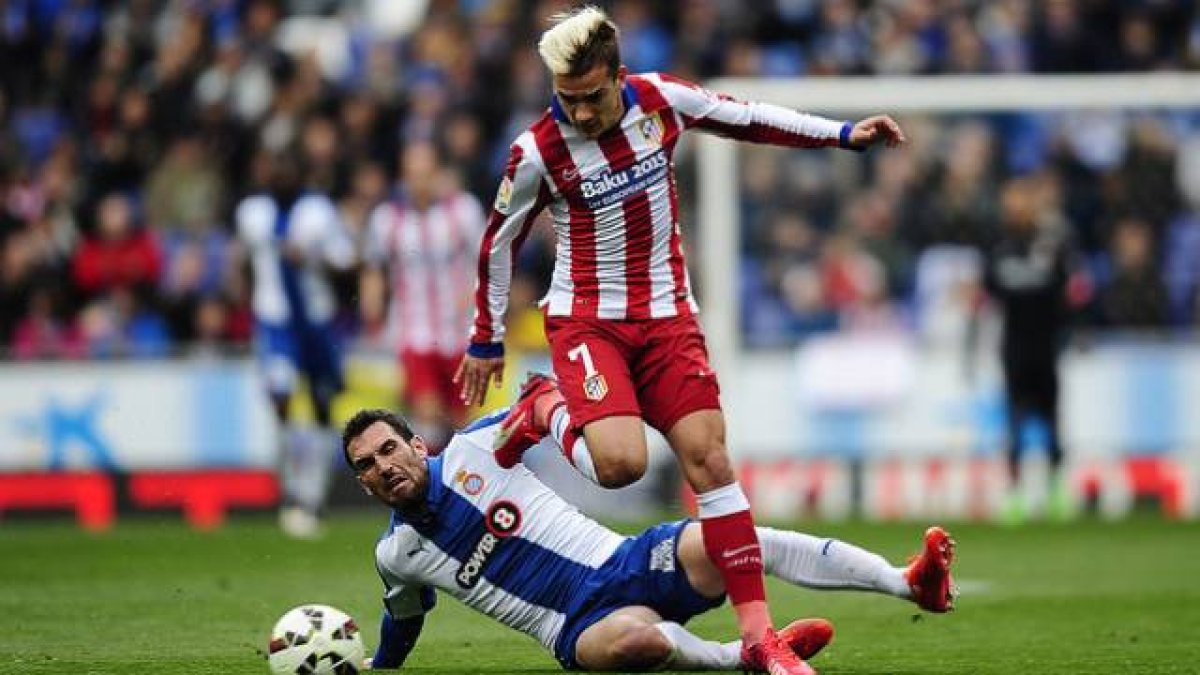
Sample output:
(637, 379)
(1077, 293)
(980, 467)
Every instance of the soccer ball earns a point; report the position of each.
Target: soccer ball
(315, 640)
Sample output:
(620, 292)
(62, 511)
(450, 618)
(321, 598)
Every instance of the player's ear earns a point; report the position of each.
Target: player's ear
(622, 73)
(418, 444)
(365, 488)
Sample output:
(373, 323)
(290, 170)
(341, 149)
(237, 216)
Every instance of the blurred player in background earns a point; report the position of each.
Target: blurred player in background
(620, 315)
(427, 239)
(1027, 274)
(294, 239)
(504, 544)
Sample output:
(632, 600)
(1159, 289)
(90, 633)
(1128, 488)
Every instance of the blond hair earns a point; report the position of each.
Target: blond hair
(579, 40)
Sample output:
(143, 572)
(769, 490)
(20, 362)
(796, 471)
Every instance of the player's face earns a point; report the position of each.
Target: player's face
(592, 101)
(390, 468)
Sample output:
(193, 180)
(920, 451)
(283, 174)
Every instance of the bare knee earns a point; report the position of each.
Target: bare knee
(640, 647)
(621, 466)
(618, 449)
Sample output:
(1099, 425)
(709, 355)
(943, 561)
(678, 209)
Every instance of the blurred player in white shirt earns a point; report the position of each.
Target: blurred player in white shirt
(427, 238)
(294, 238)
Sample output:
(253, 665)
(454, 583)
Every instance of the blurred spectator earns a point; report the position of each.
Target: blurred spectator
(184, 193)
(172, 104)
(119, 255)
(44, 333)
(1136, 296)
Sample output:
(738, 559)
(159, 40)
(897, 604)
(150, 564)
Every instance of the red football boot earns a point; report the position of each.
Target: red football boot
(773, 656)
(520, 431)
(928, 573)
(807, 637)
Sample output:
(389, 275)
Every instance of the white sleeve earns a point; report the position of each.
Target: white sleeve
(337, 247)
(751, 121)
(522, 194)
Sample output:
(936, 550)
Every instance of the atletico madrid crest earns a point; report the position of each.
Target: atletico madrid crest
(595, 388)
(651, 128)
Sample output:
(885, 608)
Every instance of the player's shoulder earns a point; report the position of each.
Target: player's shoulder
(665, 83)
(315, 202)
(255, 204)
(393, 546)
(254, 212)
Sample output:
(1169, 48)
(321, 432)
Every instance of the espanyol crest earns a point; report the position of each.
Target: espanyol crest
(651, 128)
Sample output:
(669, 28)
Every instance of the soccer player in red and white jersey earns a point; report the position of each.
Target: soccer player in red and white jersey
(427, 237)
(620, 315)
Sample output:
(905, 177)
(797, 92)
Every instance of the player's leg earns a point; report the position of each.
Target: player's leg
(637, 638)
(1013, 508)
(831, 564)
(594, 415)
(624, 640)
(679, 396)
(678, 392)
(314, 447)
(278, 360)
(423, 397)
(1059, 504)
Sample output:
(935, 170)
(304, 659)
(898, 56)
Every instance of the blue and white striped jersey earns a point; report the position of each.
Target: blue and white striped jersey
(498, 540)
(313, 226)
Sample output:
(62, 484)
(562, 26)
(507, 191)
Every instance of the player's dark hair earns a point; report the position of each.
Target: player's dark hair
(363, 419)
(602, 47)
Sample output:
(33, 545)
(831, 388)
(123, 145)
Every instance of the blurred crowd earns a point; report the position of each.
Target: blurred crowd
(129, 130)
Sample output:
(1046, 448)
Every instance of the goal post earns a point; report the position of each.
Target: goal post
(718, 185)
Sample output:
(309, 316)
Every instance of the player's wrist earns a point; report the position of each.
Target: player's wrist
(845, 137)
(486, 350)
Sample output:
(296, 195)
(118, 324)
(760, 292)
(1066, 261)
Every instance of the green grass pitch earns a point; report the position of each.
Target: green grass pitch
(154, 597)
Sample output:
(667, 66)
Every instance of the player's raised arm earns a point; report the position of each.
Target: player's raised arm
(521, 196)
(768, 123)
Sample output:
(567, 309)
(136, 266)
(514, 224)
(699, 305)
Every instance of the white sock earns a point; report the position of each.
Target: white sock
(572, 444)
(690, 652)
(307, 465)
(809, 561)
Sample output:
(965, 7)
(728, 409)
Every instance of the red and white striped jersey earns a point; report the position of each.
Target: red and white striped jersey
(431, 255)
(614, 203)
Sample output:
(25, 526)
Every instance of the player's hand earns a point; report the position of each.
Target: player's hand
(877, 129)
(473, 377)
(366, 664)
(294, 253)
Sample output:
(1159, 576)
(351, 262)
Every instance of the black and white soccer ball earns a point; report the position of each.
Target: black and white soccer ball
(315, 640)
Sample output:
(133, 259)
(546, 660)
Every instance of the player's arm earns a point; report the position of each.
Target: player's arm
(400, 627)
(522, 194)
(373, 291)
(337, 248)
(771, 124)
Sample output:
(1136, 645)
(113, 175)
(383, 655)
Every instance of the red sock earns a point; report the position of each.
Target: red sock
(732, 545)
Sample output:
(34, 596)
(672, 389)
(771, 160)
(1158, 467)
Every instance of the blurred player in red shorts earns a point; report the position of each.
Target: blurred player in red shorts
(427, 238)
(620, 315)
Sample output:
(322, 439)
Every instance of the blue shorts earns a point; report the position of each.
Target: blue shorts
(284, 352)
(644, 571)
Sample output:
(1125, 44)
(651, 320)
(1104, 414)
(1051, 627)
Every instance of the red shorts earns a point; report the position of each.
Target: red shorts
(431, 374)
(657, 369)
